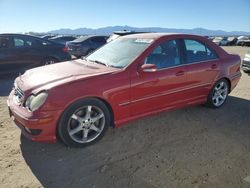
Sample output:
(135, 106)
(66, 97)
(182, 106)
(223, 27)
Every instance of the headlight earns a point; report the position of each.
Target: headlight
(33, 102)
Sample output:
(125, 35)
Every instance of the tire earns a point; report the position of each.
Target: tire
(218, 94)
(48, 61)
(246, 71)
(84, 123)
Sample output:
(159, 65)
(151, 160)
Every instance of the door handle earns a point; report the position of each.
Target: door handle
(179, 73)
(214, 66)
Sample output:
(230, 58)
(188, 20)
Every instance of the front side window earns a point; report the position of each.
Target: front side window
(165, 55)
(196, 52)
(120, 52)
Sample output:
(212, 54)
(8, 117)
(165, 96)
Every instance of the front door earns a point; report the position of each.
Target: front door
(155, 91)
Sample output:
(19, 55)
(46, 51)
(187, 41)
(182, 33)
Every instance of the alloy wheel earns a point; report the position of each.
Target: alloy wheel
(86, 124)
(220, 93)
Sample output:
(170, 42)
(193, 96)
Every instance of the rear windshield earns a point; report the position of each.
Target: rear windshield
(80, 39)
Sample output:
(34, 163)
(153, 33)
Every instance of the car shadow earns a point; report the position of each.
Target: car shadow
(109, 163)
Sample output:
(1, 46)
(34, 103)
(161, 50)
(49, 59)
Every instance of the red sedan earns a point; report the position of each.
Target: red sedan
(128, 78)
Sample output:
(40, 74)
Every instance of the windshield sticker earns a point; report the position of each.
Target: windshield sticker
(147, 41)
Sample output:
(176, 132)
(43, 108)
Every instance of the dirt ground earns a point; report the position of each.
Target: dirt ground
(190, 147)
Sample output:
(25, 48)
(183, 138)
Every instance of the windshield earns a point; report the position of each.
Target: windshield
(120, 52)
(112, 37)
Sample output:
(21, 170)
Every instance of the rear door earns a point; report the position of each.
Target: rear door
(202, 68)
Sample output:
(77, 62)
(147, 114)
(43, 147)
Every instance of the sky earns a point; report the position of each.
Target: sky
(47, 15)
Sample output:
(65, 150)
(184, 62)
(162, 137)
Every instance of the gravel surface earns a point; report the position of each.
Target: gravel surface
(190, 147)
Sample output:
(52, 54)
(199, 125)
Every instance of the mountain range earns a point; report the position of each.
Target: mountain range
(110, 29)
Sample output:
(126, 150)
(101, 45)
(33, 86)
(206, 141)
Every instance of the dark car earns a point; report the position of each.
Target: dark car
(118, 34)
(231, 41)
(246, 63)
(62, 39)
(85, 44)
(21, 52)
(129, 78)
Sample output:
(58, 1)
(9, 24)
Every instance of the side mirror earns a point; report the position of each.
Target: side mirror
(148, 68)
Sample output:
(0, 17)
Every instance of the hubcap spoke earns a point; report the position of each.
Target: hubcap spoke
(93, 127)
(88, 112)
(217, 100)
(99, 116)
(221, 97)
(85, 134)
(75, 130)
(76, 117)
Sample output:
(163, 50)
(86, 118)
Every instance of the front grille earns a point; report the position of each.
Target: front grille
(19, 94)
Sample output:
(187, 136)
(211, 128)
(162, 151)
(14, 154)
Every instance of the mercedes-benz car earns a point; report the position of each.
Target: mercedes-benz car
(129, 78)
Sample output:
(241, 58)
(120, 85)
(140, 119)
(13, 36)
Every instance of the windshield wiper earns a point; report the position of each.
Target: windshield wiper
(99, 62)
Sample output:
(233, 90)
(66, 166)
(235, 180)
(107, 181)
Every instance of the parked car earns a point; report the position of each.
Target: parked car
(62, 39)
(243, 41)
(228, 41)
(21, 52)
(118, 34)
(85, 45)
(129, 78)
(246, 63)
(231, 41)
(220, 41)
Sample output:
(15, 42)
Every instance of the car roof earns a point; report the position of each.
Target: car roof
(18, 34)
(157, 35)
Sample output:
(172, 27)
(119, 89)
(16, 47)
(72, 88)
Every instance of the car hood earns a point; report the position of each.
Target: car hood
(60, 73)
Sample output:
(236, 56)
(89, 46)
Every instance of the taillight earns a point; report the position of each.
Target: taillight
(65, 49)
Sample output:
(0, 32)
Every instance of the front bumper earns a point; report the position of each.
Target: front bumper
(39, 126)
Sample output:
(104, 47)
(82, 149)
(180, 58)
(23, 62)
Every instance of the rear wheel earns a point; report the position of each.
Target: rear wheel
(218, 94)
(84, 123)
(49, 60)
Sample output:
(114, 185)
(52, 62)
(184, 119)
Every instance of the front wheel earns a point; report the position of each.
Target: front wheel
(218, 94)
(84, 123)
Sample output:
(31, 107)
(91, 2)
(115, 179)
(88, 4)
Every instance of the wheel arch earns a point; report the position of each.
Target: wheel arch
(228, 81)
(108, 105)
(109, 108)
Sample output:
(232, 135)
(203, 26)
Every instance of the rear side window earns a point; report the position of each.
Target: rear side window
(18, 42)
(197, 52)
(4, 42)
